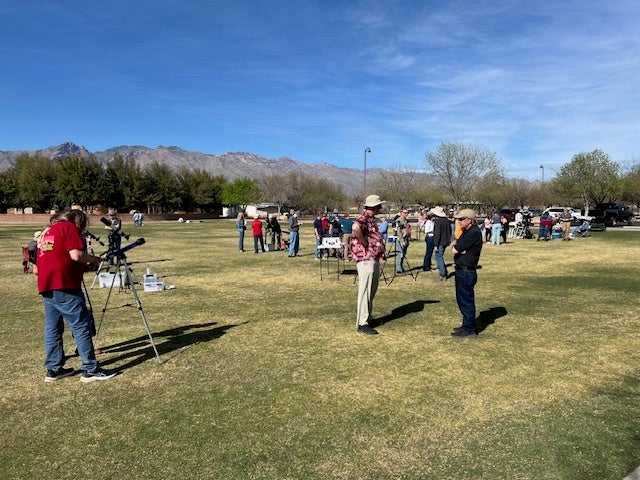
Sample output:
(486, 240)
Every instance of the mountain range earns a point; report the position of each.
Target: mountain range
(231, 165)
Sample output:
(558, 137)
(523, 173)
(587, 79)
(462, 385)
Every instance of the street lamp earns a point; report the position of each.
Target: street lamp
(542, 184)
(364, 193)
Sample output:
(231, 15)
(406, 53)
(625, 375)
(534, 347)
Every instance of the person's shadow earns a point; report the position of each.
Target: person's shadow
(139, 349)
(403, 311)
(488, 317)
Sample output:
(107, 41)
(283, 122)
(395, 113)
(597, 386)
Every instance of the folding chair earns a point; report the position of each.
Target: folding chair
(582, 231)
(25, 260)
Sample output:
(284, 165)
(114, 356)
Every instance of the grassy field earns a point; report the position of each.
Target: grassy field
(264, 376)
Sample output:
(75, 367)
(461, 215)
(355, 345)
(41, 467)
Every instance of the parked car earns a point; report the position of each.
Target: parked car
(509, 213)
(612, 214)
(576, 216)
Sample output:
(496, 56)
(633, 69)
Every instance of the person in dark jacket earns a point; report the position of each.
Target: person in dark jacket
(441, 239)
(466, 254)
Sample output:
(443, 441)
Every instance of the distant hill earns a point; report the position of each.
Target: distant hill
(230, 165)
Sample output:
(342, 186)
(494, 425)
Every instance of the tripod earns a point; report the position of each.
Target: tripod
(122, 262)
(393, 253)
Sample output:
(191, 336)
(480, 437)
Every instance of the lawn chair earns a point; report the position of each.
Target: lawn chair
(581, 231)
(25, 260)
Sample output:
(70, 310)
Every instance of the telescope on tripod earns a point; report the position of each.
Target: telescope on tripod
(121, 258)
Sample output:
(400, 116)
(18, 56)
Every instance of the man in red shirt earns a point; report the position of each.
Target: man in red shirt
(256, 227)
(62, 259)
(367, 248)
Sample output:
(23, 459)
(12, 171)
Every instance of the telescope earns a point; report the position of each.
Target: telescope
(120, 252)
(90, 235)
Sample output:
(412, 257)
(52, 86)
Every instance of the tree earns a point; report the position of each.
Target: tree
(492, 194)
(273, 190)
(241, 192)
(8, 190)
(590, 176)
(128, 182)
(161, 187)
(199, 190)
(461, 169)
(77, 180)
(320, 194)
(631, 185)
(399, 186)
(33, 181)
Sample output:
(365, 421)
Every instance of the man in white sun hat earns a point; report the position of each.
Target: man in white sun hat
(367, 248)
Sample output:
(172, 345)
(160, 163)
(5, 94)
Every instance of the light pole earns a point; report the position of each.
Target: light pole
(542, 185)
(364, 192)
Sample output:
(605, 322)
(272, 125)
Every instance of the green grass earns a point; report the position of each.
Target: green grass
(265, 377)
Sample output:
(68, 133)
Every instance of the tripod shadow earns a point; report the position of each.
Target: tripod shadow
(138, 350)
(404, 310)
(488, 317)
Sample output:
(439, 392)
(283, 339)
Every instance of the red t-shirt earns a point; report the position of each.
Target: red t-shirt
(56, 269)
(256, 226)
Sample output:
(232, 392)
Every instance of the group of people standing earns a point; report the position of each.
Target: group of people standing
(365, 243)
(368, 248)
(273, 229)
(334, 226)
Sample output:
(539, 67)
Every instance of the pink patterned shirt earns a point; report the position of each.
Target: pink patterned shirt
(375, 248)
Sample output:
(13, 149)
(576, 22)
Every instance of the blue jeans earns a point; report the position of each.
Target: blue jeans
(293, 243)
(426, 263)
(439, 254)
(543, 233)
(241, 240)
(317, 250)
(465, 296)
(70, 305)
(258, 242)
(401, 252)
(495, 234)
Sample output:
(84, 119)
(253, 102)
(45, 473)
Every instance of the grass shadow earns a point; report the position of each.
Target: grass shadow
(488, 317)
(139, 349)
(404, 310)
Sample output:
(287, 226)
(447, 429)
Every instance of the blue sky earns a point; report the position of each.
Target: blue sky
(321, 80)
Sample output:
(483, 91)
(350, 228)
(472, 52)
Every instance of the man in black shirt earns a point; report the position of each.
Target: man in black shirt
(466, 253)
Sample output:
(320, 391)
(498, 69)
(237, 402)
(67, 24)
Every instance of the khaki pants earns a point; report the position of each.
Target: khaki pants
(346, 238)
(566, 229)
(368, 277)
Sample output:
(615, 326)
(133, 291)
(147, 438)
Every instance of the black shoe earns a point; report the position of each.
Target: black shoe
(55, 375)
(464, 334)
(366, 329)
(426, 269)
(98, 375)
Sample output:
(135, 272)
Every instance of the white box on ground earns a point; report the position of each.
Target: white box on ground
(153, 287)
(107, 279)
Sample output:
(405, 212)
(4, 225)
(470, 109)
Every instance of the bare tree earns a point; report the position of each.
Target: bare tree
(461, 168)
(399, 186)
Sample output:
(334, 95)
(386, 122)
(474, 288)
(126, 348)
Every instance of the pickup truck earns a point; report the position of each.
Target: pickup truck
(612, 214)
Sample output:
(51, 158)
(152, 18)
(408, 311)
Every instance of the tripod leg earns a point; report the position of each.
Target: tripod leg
(104, 309)
(139, 306)
(97, 273)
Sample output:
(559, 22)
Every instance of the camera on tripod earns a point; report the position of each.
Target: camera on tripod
(91, 236)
